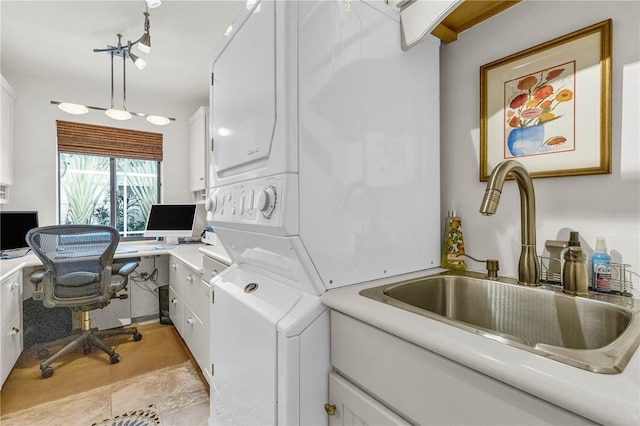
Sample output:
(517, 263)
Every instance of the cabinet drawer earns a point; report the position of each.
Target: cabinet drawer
(176, 275)
(192, 291)
(11, 346)
(175, 309)
(193, 334)
(11, 298)
(211, 268)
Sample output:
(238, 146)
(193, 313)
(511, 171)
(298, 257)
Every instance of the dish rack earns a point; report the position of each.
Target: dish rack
(621, 276)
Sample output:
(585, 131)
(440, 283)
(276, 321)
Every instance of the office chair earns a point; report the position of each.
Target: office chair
(79, 274)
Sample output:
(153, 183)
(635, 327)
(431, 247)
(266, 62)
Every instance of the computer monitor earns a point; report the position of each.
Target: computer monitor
(13, 230)
(171, 221)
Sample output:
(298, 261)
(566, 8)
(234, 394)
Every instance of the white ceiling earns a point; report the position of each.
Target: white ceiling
(57, 38)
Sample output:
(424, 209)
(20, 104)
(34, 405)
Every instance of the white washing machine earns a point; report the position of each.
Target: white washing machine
(326, 174)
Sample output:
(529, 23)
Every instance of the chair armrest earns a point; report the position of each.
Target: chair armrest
(120, 273)
(125, 269)
(36, 277)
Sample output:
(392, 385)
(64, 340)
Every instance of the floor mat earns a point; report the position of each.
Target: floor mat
(160, 347)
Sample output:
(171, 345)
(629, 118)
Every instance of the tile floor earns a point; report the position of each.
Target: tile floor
(179, 392)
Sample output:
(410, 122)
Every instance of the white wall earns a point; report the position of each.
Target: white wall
(35, 156)
(599, 205)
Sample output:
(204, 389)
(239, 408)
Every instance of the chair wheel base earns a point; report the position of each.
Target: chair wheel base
(137, 337)
(46, 372)
(115, 358)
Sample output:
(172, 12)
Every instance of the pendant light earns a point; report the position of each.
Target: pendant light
(119, 114)
(124, 51)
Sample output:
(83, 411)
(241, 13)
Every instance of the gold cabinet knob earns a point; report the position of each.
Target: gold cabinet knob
(330, 409)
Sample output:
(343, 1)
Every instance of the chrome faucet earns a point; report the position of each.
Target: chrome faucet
(528, 266)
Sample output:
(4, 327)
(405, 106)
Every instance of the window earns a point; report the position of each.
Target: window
(107, 191)
(107, 176)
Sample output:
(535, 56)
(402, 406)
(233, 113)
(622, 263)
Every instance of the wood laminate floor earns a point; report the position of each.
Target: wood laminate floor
(86, 389)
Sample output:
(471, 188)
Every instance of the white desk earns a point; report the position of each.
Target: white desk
(14, 286)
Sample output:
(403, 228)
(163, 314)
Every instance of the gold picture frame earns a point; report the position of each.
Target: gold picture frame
(549, 106)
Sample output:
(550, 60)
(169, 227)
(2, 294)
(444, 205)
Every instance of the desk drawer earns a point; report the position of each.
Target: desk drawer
(11, 346)
(11, 298)
(176, 275)
(191, 290)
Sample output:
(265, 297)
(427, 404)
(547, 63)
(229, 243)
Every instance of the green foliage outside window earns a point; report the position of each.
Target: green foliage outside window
(86, 193)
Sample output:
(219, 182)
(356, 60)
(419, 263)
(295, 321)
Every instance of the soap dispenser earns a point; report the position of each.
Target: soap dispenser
(575, 278)
(601, 263)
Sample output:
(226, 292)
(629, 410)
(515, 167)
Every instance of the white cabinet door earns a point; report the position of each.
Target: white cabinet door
(10, 323)
(205, 294)
(175, 309)
(198, 155)
(11, 297)
(193, 334)
(354, 407)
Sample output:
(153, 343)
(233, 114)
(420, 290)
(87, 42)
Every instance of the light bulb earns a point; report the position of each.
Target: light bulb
(118, 114)
(75, 109)
(139, 62)
(158, 120)
(145, 43)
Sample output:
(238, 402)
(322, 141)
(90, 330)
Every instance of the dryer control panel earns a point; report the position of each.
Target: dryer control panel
(266, 205)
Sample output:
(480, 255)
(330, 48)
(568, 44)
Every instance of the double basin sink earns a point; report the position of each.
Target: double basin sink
(599, 333)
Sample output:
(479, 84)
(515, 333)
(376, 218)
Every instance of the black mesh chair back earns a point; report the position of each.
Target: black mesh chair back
(78, 264)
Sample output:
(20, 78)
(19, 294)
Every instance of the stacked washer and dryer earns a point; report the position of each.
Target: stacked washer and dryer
(326, 174)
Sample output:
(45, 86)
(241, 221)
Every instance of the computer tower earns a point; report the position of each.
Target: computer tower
(163, 300)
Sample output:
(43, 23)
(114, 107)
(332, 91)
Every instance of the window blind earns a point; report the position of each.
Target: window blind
(90, 139)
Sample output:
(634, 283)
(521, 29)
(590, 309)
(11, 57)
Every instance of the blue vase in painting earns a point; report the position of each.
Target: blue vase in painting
(525, 140)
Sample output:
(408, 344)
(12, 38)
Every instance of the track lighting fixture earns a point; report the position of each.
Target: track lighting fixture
(144, 43)
(123, 51)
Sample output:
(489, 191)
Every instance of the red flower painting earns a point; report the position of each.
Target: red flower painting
(533, 100)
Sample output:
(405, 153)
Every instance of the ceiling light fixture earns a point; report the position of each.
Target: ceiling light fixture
(119, 114)
(144, 43)
(124, 51)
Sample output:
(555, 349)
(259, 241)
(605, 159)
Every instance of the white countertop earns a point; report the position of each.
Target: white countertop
(603, 398)
(217, 252)
(188, 253)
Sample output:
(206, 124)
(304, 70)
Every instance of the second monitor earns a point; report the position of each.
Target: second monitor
(172, 221)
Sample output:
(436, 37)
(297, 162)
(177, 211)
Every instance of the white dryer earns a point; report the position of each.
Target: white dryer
(325, 171)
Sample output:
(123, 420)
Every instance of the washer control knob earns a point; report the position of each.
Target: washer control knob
(266, 201)
(211, 204)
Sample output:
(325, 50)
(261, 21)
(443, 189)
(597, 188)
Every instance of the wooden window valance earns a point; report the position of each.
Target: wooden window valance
(90, 139)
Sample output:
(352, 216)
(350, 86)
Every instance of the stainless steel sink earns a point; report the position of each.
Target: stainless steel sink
(599, 333)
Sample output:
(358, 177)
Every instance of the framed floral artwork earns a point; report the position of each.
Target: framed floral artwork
(549, 107)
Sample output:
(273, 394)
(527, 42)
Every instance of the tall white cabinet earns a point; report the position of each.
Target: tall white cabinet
(198, 154)
(6, 145)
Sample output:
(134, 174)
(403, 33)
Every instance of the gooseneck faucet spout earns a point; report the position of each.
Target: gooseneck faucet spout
(528, 266)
